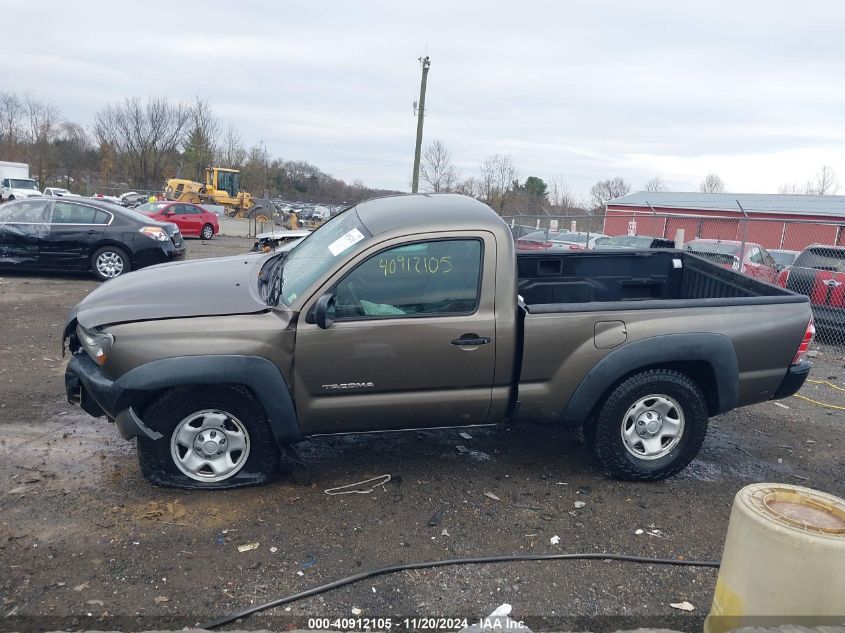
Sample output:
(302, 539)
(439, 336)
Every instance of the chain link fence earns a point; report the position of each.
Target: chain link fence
(807, 257)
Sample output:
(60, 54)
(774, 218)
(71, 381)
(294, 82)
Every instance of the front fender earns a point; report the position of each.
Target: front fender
(257, 373)
(716, 350)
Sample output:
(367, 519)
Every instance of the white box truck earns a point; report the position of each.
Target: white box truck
(15, 182)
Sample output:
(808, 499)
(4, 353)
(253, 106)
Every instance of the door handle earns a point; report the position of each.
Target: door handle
(91, 231)
(471, 340)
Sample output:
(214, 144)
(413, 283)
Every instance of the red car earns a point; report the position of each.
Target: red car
(754, 262)
(191, 219)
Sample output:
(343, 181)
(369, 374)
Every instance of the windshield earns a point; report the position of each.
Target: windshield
(341, 236)
(579, 238)
(627, 240)
(716, 248)
(832, 259)
(783, 258)
(152, 207)
(24, 184)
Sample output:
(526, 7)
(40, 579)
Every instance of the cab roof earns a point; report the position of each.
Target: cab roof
(435, 210)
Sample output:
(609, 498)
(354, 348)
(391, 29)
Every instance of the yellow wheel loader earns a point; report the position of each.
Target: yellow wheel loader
(221, 187)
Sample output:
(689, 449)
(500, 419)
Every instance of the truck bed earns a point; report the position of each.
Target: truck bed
(563, 282)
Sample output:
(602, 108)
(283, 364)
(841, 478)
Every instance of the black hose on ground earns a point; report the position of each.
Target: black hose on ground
(381, 571)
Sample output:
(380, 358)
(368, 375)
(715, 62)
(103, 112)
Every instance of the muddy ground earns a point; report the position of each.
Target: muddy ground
(85, 542)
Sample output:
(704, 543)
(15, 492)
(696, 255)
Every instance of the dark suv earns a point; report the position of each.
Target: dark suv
(69, 234)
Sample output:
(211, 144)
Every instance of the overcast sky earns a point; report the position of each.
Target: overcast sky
(754, 91)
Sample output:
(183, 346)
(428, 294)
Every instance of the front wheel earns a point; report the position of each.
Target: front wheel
(207, 232)
(650, 427)
(213, 438)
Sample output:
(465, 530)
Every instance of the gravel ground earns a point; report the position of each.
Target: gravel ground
(87, 543)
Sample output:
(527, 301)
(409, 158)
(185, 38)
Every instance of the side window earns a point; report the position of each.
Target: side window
(24, 212)
(439, 277)
(755, 256)
(191, 210)
(71, 213)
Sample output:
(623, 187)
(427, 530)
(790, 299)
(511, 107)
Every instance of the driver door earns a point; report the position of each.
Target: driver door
(395, 357)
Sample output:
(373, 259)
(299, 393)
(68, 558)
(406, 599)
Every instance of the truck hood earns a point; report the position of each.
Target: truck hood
(206, 287)
(23, 193)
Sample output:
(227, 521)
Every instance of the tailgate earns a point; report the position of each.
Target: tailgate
(828, 289)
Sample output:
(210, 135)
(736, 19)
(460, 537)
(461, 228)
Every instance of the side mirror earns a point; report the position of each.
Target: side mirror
(324, 311)
(169, 212)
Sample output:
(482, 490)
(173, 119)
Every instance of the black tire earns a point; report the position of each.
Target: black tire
(165, 414)
(10, 198)
(113, 253)
(603, 434)
(207, 232)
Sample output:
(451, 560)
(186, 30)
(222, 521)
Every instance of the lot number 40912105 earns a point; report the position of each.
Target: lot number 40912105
(416, 265)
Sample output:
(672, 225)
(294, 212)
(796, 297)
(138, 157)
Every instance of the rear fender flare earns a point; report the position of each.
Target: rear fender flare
(716, 350)
(260, 375)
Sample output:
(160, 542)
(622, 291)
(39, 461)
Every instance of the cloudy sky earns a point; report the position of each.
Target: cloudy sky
(754, 91)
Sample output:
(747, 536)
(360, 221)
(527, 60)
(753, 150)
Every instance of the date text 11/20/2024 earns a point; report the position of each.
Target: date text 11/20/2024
(414, 624)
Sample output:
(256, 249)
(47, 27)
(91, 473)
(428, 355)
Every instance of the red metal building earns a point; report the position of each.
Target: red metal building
(774, 221)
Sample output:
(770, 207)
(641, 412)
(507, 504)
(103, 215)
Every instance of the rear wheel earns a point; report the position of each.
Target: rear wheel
(651, 426)
(207, 232)
(214, 438)
(109, 262)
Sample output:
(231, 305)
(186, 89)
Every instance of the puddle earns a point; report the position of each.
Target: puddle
(67, 449)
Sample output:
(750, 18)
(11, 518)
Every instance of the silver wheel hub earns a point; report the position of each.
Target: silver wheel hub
(652, 427)
(109, 264)
(210, 445)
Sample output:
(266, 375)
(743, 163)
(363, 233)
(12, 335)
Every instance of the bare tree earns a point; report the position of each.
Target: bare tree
(74, 150)
(144, 134)
(469, 187)
(656, 184)
(826, 182)
(437, 170)
(506, 177)
(201, 142)
(41, 122)
(232, 152)
(11, 124)
(605, 190)
(792, 189)
(488, 179)
(561, 196)
(712, 183)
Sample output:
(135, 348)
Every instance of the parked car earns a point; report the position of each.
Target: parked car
(783, 258)
(57, 192)
(80, 234)
(634, 241)
(272, 240)
(755, 261)
(558, 241)
(402, 313)
(819, 273)
(133, 199)
(105, 198)
(521, 230)
(18, 188)
(192, 219)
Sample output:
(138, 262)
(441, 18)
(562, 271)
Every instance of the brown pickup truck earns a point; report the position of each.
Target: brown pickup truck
(411, 312)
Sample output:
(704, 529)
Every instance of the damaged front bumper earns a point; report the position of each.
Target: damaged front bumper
(87, 387)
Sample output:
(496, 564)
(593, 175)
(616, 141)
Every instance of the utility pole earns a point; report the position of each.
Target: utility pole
(415, 183)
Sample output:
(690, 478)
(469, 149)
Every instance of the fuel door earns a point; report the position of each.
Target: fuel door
(609, 334)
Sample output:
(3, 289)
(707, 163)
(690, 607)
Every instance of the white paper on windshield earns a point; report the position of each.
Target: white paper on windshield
(345, 241)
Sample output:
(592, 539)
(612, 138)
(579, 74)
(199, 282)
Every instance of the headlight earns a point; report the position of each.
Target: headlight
(155, 233)
(97, 344)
